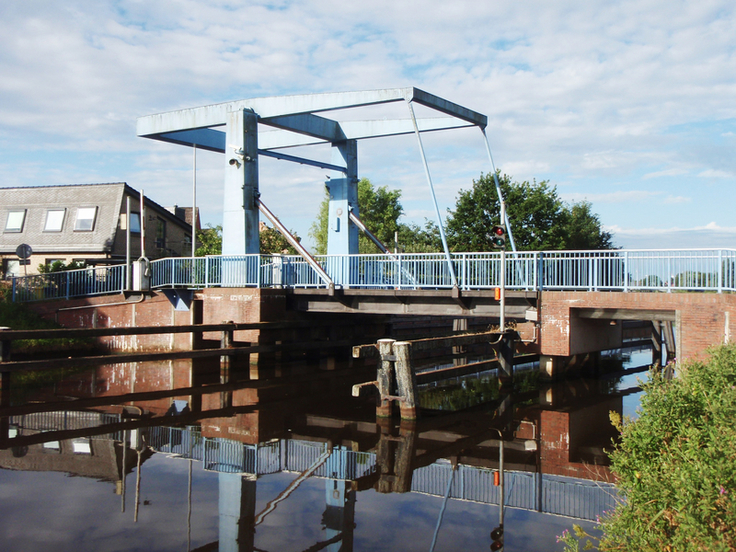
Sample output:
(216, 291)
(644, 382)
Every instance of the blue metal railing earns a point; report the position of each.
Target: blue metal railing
(71, 283)
(614, 270)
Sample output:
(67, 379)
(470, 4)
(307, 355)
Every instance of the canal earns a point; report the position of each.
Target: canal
(195, 455)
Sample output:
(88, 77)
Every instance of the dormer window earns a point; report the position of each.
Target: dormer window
(85, 219)
(15, 220)
(54, 220)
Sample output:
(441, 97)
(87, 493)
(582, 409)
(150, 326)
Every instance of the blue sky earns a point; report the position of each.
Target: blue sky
(627, 104)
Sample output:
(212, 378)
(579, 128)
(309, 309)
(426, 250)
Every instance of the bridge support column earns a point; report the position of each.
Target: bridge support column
(240, 214)
(342, 236)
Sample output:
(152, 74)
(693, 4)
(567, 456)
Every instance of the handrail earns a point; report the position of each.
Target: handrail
(664, 270)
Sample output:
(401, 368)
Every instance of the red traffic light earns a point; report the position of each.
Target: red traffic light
(498, 236)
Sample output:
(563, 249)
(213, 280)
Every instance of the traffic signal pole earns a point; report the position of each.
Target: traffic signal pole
(502, 275)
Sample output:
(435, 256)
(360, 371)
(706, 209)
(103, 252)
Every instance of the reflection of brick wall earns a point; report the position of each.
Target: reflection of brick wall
(702, 316)
(555, 449)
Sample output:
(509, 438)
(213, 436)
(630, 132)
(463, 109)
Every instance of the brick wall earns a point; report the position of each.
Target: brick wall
(702, 317)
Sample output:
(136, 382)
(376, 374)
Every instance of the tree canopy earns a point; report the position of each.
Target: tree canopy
(271, 240)
(539, 219)
(209, 240)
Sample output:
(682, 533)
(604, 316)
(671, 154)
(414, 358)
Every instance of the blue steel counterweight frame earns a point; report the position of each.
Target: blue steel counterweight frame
(300, 121)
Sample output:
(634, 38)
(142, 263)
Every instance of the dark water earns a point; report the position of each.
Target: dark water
(172, 456)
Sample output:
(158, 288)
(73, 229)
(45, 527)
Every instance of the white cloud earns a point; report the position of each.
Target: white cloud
(677, 199)
(620, 99)
(713, 173)
(629, 196)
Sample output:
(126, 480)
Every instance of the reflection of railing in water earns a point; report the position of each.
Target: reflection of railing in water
(65, 420)
(530, 491)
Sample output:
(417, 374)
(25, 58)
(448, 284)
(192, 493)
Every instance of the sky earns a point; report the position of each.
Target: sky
(626, 104)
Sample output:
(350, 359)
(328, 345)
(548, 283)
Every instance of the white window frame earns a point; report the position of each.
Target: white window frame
(52, 218)
(13, 215)
(83, 215)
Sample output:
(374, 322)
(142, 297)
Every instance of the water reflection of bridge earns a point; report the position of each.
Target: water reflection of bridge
(536, 491)
(551, 494)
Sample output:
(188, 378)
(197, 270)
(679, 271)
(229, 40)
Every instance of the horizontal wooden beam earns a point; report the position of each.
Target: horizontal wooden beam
(624, 314)
(67, 333)
(363, 351)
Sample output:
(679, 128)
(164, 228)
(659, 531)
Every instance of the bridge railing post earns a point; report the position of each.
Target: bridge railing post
(720, 271)
(540, 271)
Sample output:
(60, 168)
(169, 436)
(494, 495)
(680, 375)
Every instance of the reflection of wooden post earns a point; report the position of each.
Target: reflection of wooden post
(385, 377)
(395, 458)
(385, 462)
(506, 359)
(405, 380)
(226, 342)
(405, 456)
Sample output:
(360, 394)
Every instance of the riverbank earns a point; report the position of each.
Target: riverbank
(676, 464)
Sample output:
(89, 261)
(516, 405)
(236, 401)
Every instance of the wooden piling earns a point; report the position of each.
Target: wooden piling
(385, 377)
(406, 381)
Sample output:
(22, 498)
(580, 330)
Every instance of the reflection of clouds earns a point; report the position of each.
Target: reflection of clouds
(51, 511)
(42, 511)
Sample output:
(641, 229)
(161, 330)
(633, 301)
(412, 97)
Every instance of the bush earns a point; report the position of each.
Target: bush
(676, 464)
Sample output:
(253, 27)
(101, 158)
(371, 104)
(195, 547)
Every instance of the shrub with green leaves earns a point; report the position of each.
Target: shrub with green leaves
(676, 464)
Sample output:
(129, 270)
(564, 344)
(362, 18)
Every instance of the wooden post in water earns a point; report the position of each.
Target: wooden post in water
(385, 377)
(405, 380)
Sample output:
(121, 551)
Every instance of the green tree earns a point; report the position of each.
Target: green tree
(539, 219)
(415, 239)
(60, 266)
(272, 241)
(379, 210)
(209, 240)
(584, 229)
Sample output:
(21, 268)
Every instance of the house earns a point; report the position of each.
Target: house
(87, 223)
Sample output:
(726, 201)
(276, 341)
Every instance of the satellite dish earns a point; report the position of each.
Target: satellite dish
(24, 251)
